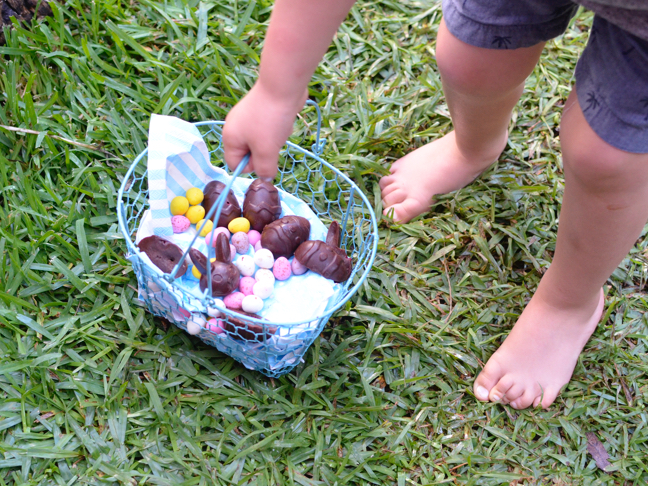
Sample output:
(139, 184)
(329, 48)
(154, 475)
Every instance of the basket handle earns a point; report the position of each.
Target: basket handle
(318, 146)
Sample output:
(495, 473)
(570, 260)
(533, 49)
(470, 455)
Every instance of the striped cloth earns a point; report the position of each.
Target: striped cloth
(178, 160)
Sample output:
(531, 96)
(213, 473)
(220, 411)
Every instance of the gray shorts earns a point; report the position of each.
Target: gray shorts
(611, 75)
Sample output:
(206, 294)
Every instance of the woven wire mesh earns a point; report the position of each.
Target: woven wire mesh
(270, 347)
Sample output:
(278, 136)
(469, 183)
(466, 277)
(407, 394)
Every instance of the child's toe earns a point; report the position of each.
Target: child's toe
(408, 209)
(549, 396)
(486, 380)
(498, 392)
(515, 392)
(526, 399)
(395, 197)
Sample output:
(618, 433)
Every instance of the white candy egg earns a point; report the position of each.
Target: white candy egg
(263, 274)
(193, 327)
(263, 258)
(214, 311)
(246, 266)
(263, 289)
(252, 304)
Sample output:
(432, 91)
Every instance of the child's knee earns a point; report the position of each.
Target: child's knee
(596, 169)
(596, 164)
(482, 72)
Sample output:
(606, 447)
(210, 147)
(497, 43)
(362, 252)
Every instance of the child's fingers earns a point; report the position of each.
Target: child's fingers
(264, 162)
(234, 150)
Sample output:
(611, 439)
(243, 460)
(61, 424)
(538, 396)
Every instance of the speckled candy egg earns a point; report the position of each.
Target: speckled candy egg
(281, 269)
(257, 246)
(215, 325)
(254, 236)
(246, 266)
(232, 252)
(297, 268)
(241, 242)
(263, 258)
(234, 300)
(264, 275)
(263, 289)
(180, 224)
(252, 304)
(246, 284)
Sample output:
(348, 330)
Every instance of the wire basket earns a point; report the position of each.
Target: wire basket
(273, 348)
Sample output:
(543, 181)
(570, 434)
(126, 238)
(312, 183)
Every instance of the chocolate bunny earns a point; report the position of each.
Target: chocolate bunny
(326, 258)
(224, 275)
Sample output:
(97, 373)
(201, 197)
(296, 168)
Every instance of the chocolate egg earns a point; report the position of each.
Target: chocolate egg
(261, 205)
(164, 254)
(231, 208)
(283, 236)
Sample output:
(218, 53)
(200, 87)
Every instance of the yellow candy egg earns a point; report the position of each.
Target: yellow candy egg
(195, 214)
(195, 196)
(179, 205)
(238, 224)
(196, 273)
(208, 227)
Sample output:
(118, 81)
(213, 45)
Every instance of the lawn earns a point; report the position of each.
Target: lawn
(93, 390)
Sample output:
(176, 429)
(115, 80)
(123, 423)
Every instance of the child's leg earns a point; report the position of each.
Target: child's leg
(481, 87)
(604, 140)
(605, 207)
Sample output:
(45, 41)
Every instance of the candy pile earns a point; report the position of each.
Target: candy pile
(186, 210)
(252, 251)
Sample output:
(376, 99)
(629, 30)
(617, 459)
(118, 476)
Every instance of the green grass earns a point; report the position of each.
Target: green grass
(92, 391)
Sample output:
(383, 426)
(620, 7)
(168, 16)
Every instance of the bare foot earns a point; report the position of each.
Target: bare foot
(539, 355)
(436, 168)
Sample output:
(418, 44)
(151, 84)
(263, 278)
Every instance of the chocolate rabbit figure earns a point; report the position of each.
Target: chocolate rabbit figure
(224, 275)
(326, 258)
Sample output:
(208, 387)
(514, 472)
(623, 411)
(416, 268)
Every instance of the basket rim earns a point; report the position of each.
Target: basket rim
(121, 217)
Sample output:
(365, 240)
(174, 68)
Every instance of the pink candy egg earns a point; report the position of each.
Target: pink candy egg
(180, 224)
(215, 325)
(281, 269)
(241, 242)
(210, 239)
(234, 300)
(246, 284)
(297, 268)
(232, 252)
(254, 236)
(257, 246)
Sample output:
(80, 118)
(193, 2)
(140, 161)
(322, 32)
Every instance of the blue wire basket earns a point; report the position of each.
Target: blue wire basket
(273, 348)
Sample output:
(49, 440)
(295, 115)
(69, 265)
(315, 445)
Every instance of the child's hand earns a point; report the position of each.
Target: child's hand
(259, 124)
